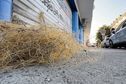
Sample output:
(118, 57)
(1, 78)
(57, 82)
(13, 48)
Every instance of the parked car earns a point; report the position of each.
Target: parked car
(105, 42)
(119, 38)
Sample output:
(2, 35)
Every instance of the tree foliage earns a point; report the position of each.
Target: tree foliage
(102, 32)
(107, 30)
(99, 36)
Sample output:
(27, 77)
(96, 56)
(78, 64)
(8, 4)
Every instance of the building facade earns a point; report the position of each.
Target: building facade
(73, 16)
(118, 21)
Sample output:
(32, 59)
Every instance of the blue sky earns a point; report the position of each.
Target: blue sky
(105, 12)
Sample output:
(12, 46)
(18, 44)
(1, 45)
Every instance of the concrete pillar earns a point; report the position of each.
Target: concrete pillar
(75, 25)
(5, 10)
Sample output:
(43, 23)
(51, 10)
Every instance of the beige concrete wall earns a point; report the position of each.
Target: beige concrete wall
(118, 21)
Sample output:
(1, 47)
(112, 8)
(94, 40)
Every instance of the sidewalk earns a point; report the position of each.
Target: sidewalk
(99, 67)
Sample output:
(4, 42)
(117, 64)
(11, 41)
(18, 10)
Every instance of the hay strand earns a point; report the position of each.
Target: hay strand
(22, 46)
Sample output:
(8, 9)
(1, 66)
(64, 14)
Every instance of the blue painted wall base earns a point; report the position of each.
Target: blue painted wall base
(75, 25)
(5, 10)
(81, 35)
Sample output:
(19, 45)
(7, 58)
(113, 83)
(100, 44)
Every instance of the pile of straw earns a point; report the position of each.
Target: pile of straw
(22, 46)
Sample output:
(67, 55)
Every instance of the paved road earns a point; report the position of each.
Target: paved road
(99, 66)
(110, 68)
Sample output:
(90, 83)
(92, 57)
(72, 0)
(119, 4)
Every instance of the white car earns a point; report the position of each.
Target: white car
(119, 38)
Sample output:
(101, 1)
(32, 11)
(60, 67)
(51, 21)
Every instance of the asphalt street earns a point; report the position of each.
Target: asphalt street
(110, 68)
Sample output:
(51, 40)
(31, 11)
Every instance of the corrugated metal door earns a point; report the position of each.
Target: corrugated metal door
(56, 12)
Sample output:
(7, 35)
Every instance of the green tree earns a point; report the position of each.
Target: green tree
(99, 36)
(106, 30)
(99, 39)
(102, 32)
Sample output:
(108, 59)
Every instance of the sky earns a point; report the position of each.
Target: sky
(104, 13)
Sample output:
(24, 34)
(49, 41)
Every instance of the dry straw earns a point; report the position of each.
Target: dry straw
(22, 46)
